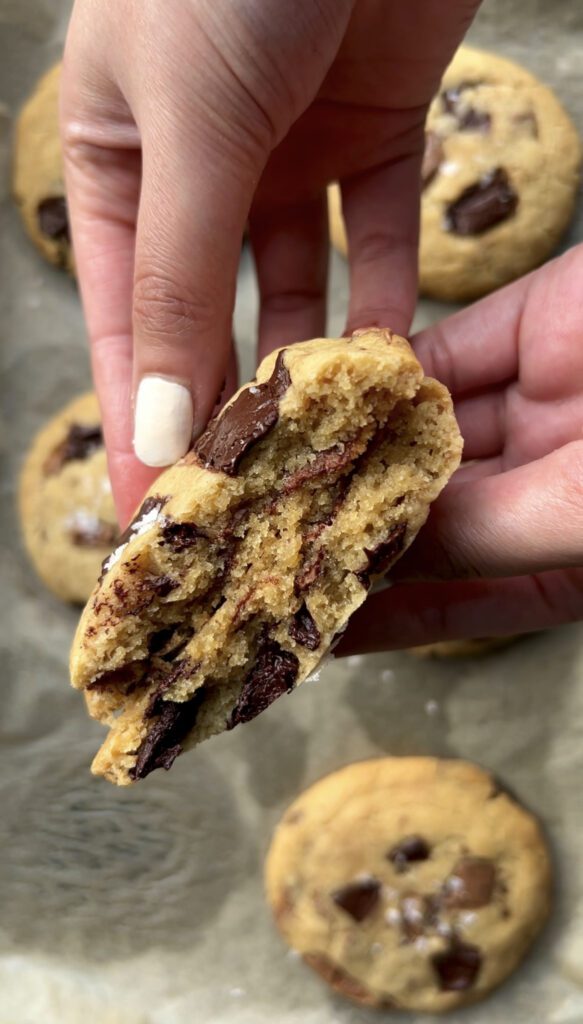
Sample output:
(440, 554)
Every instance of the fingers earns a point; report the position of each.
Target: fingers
(527, 520)
(290, 247)
(381, 213)
(420, 613)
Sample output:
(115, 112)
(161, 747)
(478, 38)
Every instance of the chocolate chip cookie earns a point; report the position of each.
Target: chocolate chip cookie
(500, 177)
(67, 514)
(247, 557)
(38, 185)
(470, 648)
(409, 883)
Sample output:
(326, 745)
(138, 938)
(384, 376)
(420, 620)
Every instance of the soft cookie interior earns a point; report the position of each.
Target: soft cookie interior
(247, 559)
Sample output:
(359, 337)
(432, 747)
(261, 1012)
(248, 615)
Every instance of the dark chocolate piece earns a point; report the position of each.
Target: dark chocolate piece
(410, 849)
(304, 630)
(241, 425)
(432, 157)
(180, 536)
(457, 967)
(358, 898)
(163, 743)
(274, 673)
(471, 883)
(161, 586)
(385, 553)
(93, 534)
(310, 572)
(324, 463)
(483, 205)
(53, 219)
(154, 501)
(116, 677)
(81, 441)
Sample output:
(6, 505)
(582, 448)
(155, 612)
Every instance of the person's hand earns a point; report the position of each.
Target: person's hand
(180, 121)
(502, 551)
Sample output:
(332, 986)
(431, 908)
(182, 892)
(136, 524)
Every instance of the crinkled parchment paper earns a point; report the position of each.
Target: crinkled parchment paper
(145, 906)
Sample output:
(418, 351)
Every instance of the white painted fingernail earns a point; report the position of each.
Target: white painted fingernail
(163, 421)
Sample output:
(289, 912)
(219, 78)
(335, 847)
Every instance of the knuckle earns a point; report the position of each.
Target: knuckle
(160, 309)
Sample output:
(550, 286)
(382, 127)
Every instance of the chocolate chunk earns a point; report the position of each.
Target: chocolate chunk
(163, 743)
(324, 463)
(451, 97)
(457, 967)
(410, 849)
(359, 898)
(313, 568)
(160, 585)
(473, 120)
(81, 441)
(159, 640)
(153, 503)
(385, 553)
(432, 157)
(180, 536)
(274, 673)
(250, 417)
(92, 533)
(304, 630)
(471, 883)
(53, 219)
(481, 206)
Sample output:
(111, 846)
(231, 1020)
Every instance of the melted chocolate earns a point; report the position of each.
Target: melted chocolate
(381, 558)
(274, 673)
(180, 536)
(408, 851)
(304, 630)
(483, 205)
(457, 967)
(358, 899)
(53, 219)
(471, 883)
(81, 441)
(243, 423)
(163, 743)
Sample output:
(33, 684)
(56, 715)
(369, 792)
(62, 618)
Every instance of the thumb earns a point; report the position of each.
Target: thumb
(527, 520)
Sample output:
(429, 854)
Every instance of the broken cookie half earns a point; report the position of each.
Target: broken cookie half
(248, 557)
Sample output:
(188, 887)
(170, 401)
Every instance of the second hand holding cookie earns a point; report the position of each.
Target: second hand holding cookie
(182, 122)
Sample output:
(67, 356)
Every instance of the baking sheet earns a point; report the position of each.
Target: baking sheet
(144, 906)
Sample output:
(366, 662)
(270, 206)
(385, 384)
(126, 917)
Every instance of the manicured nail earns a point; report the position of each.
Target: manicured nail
(163, 421)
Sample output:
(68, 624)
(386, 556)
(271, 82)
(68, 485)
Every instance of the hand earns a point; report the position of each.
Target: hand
(183, 120)
(505, 540)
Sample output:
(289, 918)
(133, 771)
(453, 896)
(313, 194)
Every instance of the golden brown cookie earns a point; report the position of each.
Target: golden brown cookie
(500, 178)
(38, 184)
(409, 883)
(67, 514)
(248, 557)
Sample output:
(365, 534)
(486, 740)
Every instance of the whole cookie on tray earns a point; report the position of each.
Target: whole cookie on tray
(500, 178)
(248, 556)
(409, 883)
(66, 508)
(38, 184)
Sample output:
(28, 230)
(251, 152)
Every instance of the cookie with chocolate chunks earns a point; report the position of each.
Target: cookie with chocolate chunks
(38, 183)
(499, 177)
(68, 519)
(412, 883)
(261, 542)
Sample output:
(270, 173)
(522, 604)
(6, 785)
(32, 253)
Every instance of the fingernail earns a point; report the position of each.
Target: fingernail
(163, 421)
